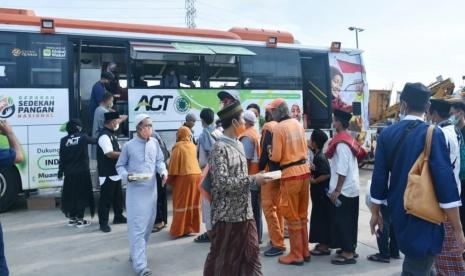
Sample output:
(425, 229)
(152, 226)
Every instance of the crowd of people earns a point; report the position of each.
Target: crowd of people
(226, 180)
(220, 180)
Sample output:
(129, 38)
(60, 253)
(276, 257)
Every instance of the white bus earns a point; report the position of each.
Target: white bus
(49, 65)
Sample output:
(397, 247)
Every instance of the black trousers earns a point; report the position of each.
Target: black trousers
(320, 218)
(257, 213)
(344, 224)
(387, 243)
(162, 202)
(111, 193)
(77, 195)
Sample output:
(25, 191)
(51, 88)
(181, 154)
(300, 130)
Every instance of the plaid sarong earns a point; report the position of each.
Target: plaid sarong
(449, 262)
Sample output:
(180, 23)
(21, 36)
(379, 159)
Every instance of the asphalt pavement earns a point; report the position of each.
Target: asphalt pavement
(40, 243)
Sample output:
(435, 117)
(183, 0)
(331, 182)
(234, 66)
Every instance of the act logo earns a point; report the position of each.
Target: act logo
(154, 103)
(182, 104)
(7, 107)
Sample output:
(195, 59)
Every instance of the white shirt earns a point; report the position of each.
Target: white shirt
(413, 118)
(454, 151)
(344, 163)
(105, 143)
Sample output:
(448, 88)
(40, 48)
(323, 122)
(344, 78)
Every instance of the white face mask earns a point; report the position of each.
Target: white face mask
(454, 120)
(110, 105)
(116, 127)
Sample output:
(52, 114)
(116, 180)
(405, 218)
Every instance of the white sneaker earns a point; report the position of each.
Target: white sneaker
(145, 272)
(72, 222)
(82, 223)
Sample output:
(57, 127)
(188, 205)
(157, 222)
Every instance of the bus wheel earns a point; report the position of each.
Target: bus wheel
(10, 181)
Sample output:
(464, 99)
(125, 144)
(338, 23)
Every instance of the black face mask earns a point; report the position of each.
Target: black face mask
(73, 128)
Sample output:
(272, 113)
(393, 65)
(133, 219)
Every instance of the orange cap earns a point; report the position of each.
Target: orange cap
(275, 103)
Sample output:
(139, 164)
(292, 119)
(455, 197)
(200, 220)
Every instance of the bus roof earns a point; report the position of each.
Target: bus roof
(28, 18)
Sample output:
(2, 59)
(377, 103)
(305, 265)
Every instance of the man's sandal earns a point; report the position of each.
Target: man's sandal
(202, 238)
(341, 260)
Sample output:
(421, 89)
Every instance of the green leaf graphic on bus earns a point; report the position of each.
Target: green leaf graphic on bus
(200, 99)
(63, 127)
(7, 107)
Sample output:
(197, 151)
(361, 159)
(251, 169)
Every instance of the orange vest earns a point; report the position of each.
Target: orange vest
(289, 146)
(267, 127)
(252, 134)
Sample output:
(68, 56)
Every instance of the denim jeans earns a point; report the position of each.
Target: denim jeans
(418, 267)
(3, 267)
(387, 243)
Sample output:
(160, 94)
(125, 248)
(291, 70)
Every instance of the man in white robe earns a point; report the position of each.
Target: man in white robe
(140, 160)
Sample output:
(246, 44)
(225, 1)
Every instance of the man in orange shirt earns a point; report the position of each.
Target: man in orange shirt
(270, 191)
(289, 149)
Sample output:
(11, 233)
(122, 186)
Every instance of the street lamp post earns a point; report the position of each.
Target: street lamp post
(357, 30)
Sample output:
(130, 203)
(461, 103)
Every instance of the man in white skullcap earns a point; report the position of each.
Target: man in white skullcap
(140, 160)
(191, 118)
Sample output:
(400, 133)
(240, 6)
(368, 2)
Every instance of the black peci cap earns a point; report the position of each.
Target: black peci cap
(230, 111)
(416, 95)
(342, 115)
(111, 116)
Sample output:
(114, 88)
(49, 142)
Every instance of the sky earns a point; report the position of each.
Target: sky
(403, 41)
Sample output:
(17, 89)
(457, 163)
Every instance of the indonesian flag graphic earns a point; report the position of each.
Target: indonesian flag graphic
(350, 68)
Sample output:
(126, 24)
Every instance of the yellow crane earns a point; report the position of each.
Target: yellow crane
(440, 90)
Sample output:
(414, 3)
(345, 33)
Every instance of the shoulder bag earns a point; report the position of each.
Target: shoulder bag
(419, 197)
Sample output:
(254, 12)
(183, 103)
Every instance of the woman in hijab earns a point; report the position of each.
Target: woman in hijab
(184, 174)
(74, 167)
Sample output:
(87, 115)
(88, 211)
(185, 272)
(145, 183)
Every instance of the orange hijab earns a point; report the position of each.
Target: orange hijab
(184, 156)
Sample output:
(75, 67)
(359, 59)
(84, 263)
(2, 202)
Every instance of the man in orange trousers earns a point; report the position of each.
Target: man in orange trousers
(289, 149)
(270, 191)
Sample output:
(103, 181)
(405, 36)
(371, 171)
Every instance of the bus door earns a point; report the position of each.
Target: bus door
(91, 59)
(316, 89)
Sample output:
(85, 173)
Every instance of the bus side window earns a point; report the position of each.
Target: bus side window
(8, 60)
(222, 71)
(271, 68)
(48, 61)
(7, 75)
(167, 71)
